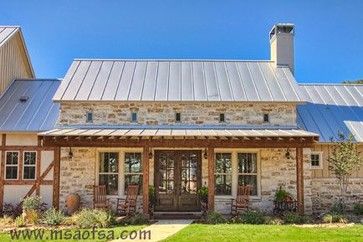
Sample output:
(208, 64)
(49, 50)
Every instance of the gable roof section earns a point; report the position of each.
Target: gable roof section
(8, 32)
(332, 109)
(37, 113)
(177, 80)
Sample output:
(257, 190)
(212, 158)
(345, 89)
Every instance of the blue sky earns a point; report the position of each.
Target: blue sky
(328, 41)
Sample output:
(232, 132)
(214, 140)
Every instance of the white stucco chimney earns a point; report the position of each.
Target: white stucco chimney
(282, 45)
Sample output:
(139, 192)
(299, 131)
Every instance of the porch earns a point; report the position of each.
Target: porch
(177, 162)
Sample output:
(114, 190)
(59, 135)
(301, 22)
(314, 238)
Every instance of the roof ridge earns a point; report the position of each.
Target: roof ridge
(330, 84)
(38, 79)
(171, 59)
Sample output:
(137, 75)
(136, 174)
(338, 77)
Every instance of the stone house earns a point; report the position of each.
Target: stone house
(179, 125)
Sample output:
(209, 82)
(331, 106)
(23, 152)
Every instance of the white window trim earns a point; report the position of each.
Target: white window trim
(320, 153)
(6, 165)
(35, 165)
(235, 171)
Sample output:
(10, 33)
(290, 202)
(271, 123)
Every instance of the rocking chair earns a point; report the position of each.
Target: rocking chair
(241, 203)
(100, 200)
(127, 206)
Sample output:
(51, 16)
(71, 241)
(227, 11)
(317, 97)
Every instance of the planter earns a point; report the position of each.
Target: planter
(73, 202)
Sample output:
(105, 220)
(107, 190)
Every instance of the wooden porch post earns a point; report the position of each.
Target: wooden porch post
(211, 180)
(2, 173)
(300, 180)
(145, 180)
(56, 177)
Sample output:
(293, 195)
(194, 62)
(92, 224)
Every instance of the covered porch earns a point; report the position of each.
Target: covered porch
(217, 158)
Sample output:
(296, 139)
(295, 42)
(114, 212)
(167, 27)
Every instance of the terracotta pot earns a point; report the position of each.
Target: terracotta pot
(73, 202)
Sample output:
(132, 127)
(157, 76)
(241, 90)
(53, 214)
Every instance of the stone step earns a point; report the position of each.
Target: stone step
(177, 215)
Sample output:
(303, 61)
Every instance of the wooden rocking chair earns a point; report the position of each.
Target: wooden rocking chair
(127, 206)
(100, 200)
(241, 203)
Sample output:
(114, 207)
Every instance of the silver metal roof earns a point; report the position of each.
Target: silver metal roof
(332, 109)
(27, 106)
(181, 132)
(177, 80)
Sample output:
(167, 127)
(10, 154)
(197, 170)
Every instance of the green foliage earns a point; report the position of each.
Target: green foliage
(214, 218)
(88, 218)
(20, 222)
(53, 217)
(32, 203)
(294, 218)
(152, 196)
(137, 219)
(273, 221)
(338, 207)
(358, 209)
(252, 217)
(6, 220)
(327, 218)
(334, 218)
(203, 194)
(281, 194)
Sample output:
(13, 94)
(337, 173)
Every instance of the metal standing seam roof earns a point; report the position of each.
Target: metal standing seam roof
(177, 80)
(332, 109)
(7, 32)
(179, 132)
(37, 113)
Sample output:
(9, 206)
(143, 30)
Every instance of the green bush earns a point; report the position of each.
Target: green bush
(273, 221)
(294, 218)
(53, 217)
(281, 194)
(88, 218)
(334, 218)
(327, 218)
(252, 217)
(203, 194)
(338, 208)
(20, 222)
(214, 218)
(32, 203)
(137, 219)
(358, 209)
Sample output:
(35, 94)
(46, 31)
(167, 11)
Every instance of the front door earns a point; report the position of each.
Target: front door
(177, 179)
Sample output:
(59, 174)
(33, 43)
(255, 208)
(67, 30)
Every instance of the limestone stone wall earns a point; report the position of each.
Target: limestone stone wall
(151, 113)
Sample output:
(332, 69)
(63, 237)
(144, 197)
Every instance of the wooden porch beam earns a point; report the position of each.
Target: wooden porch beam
(300, 179)
(211, 180)
(2, 167)
(56, 177)
(145, 180)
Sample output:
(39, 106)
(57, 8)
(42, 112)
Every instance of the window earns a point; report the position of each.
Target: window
(133, 170)
(108, 172)
(89, 117)
(316, 160)
(266, 118)
(247, 171)
(223, 174)
(29, 165)
(221, 118)
(177, 117)
(134, 117)
(11, 165)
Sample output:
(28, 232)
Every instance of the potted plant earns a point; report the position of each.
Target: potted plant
(31, 208)
(203, 198)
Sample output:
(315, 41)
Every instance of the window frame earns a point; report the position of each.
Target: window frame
(11, 165)
(223, 173)
(109, 173)
(131, 173)
(249, 174)
(320, 154)
(35, 165)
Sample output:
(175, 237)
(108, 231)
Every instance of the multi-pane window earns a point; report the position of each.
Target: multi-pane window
(315, 159)
(133, 169)
(223, 174)
(247, 171)
(108, 172)
(29, 165)
(11, 165)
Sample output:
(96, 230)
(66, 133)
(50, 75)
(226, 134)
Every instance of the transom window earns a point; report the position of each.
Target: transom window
(30, 158)
(133, 169)
(108, 172)
(247, 171)
(11, 165)
(223, 174)
(316, 160)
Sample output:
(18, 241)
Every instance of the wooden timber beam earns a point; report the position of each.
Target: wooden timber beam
(300, 179)
(2, 167)
(145, 180)
(211, 179)
(56, 177)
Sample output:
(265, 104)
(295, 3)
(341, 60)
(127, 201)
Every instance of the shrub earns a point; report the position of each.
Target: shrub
(214, 218)
(31, 216)
(6, 220)
(137, 219)
(294, 218)
(281, 195)
(273, 221)
(203, 194)
(53, 217)
(12, 210)
(358, 209)
(88, 218)
(252, 217)
(32, 203)
(338, 207)
(20, 222)
(327, 218)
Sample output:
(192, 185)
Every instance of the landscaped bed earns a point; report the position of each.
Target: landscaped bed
(244, 232)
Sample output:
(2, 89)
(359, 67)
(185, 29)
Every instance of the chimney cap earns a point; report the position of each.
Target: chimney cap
(288, 28)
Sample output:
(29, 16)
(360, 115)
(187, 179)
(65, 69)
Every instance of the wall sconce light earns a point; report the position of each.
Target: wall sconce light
(151, 154)
(287, 154)
(205, 154)
(70, 153)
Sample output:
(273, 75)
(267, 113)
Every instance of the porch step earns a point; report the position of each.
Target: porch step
(177, 215)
